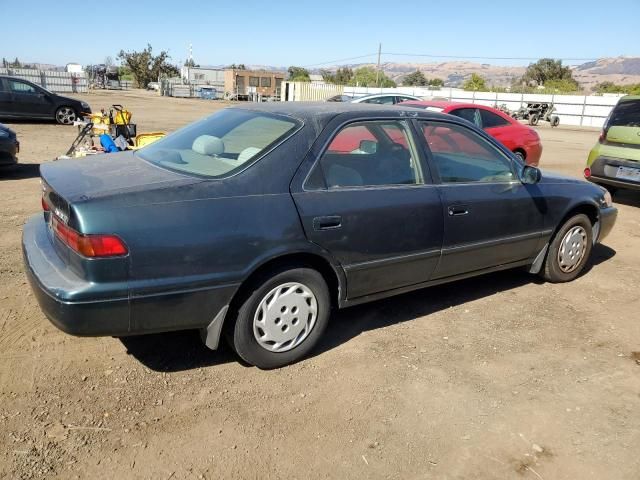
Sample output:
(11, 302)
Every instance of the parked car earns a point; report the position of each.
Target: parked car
(339, 98)
(522, 140)
(9, 147)
(252, 223)
(614, 161)
(21, 99)
(153, 86)
(384, 98)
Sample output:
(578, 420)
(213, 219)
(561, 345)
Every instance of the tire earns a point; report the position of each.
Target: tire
(569, 250)
(555, 121)
(267, 333)
(519, 154)
(66, 115)
(533, 119)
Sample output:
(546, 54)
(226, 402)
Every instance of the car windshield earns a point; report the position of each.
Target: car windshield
(626, 114)
(220, 145)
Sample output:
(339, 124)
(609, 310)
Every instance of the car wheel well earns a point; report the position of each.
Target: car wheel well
(521, 152)
(294, 260)
(589, 210)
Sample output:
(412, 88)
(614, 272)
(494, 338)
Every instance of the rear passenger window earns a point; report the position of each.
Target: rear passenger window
(371, 153)
(461, 156)
(491, 120)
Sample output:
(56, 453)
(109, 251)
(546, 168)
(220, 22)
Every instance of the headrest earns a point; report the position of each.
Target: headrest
(247, 153)
(208, 145)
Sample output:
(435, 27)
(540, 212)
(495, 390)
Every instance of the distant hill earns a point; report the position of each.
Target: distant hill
(620, 70)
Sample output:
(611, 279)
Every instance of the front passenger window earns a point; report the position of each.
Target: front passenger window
(371, 153)
(462, 156)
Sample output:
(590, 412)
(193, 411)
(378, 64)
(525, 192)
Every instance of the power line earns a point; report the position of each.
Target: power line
(458, 57)
(481, 58)
(340, 60)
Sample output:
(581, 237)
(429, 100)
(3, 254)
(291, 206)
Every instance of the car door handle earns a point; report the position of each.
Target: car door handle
(457, 210)
(327, 223)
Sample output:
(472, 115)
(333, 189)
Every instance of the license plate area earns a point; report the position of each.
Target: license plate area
(628, 173)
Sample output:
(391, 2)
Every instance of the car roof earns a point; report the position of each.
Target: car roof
(324, 112)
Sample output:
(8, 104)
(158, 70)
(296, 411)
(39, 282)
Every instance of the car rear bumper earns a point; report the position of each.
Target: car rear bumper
(83, 308)
(534, 152)
(604, 170)
(53, 283)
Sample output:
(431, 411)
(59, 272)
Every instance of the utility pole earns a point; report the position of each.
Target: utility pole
(378, 68)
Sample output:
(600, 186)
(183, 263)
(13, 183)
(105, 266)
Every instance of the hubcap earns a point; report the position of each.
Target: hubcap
(285, 317)
(572, 249)
(66, 115)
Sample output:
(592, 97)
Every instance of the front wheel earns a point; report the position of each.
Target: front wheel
(569, 250)
(66, 115)
(282, 319)
(555, 121)
(533, 119)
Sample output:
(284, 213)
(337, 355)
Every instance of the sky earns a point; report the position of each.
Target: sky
(318, 33)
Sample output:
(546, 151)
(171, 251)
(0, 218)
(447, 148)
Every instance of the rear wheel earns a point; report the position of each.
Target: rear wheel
(66, 115)
(519, 154)
(555, 121)
(281, 320)
(533, 119)
(569, 250)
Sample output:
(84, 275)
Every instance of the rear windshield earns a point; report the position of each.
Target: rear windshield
(626, 114)
(220, 145)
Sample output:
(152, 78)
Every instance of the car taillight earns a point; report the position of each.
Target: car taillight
(602, 137)
(88, 245)
(45, 205)
(587, 172)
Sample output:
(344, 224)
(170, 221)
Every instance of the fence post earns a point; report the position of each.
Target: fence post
(584, 106)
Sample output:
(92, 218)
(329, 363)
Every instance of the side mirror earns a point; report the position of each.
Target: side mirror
(368, 146)
(530, 175)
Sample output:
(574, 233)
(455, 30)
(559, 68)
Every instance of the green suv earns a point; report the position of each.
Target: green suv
(615, 160)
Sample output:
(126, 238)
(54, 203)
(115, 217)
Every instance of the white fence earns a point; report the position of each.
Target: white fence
(62, 82)
(580, 110)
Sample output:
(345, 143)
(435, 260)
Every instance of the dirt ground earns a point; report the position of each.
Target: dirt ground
(501, 376)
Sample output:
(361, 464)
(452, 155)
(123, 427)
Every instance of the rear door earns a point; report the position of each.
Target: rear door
(499, 128)
(6, 99)
(490, 217)
(369, 201)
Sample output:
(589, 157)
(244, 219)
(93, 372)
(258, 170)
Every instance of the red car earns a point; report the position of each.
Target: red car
(520, 139)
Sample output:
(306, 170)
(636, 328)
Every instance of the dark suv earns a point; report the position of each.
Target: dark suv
(21, 99)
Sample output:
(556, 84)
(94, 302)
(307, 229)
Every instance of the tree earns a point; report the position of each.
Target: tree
(475, 83)
(561, 86)
(190, 63)
(436, 82)
(145, 67)
(610, 87)
(548, 69)
(16, 63)
(298, 74)
(366, 77)
(240, 66)
(415, 79)
(341, 77)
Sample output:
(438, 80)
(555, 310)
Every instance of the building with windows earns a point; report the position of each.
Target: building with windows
(243, 84)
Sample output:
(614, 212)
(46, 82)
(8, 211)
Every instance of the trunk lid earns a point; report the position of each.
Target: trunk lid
(80, 180)
(624, 135)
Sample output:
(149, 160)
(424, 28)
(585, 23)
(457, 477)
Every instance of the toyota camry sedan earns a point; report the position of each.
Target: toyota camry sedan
(256, 222)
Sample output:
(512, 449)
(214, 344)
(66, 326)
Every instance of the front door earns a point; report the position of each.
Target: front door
(490, 217)
(28, 100)
(368, 201)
